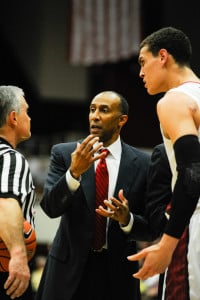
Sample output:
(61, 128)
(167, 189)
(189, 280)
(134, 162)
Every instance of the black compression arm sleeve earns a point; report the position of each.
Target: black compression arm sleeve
(187, 188)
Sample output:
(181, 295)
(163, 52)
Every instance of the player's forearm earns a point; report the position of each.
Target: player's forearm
(187, 187)
(168, 243)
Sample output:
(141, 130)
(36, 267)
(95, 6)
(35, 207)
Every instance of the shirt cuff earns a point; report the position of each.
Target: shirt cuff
(72, 183)
(127, 228)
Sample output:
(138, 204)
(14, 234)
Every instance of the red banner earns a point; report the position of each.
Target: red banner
(103, 31)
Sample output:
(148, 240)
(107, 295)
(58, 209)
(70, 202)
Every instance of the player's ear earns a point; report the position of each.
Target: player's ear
(163, 53)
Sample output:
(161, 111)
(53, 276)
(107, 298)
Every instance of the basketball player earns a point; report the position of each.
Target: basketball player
(165, 67)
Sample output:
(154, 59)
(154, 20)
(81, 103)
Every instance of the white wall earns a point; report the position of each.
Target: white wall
(44, 226)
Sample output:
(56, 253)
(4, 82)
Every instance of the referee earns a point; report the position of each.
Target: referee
(17, 192)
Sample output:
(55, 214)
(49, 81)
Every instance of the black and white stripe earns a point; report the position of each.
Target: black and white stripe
(16, 180)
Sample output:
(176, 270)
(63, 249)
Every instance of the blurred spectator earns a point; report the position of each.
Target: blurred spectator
(148, 287)
(37, 272)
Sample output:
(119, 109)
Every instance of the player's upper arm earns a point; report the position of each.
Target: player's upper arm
(175, 112)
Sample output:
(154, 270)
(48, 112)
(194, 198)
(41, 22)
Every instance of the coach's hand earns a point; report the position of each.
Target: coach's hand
(83, 156)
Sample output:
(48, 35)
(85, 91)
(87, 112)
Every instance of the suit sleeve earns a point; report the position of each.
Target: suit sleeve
(159, 192)
(157, 198)
(57, 196)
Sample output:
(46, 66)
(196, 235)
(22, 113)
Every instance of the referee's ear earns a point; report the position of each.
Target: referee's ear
(12, 118)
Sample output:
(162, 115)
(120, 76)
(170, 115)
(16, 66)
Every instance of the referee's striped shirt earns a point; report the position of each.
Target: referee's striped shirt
(16, 179)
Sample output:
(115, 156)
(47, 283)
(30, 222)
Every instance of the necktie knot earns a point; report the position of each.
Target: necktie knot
(104, 150)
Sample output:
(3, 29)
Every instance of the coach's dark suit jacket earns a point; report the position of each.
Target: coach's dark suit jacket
(159, 194)
(73, 240)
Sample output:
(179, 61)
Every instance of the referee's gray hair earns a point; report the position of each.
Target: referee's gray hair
(10, 100)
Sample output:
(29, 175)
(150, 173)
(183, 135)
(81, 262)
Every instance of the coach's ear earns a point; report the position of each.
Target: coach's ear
(122, 120)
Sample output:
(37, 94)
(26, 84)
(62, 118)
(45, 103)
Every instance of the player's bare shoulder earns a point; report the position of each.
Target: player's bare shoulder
(165, 103)
(195, 110)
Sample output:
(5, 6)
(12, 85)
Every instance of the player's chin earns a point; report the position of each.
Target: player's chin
(152, 91)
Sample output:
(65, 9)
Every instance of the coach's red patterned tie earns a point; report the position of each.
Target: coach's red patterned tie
(101, 195)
